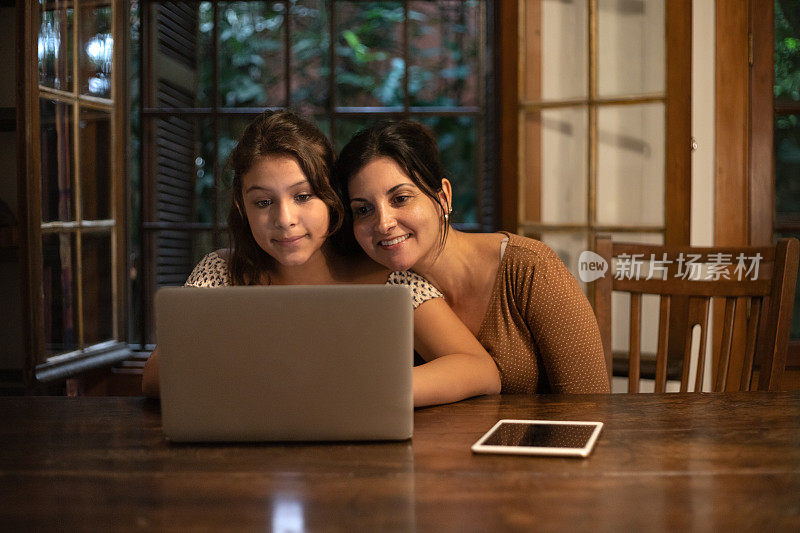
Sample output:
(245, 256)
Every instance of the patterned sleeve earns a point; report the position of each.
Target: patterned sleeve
(212, 271)
(562, 323)
(421, 289)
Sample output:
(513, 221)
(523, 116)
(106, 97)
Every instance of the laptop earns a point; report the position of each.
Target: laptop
(286, 363)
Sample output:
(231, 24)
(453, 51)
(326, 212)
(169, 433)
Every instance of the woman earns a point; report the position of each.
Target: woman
(283, 211)
(513, 293)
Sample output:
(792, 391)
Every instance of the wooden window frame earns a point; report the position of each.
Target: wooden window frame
(677, 99)
(39, 367)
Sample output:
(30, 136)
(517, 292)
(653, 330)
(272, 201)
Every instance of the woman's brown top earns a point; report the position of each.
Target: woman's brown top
(539, 327)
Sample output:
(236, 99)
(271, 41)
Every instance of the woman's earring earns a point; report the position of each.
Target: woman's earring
(447, 215)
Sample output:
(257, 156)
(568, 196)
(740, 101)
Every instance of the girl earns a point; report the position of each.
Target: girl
(283, 211)
(511, 292)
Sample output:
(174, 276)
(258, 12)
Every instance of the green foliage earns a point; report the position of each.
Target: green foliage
(370, 71)
(787, 49)
(787, 127)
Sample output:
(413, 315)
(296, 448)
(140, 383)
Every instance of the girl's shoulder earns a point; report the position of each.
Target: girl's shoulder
(421, 289)
(211, 271)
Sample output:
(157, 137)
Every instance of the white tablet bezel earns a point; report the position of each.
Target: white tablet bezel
(479, 447)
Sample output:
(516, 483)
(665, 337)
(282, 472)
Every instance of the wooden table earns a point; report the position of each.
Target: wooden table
(663, 462)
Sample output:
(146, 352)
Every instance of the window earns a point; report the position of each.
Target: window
(75, 229)
(787, 140)
(593, 122)
(207, 68)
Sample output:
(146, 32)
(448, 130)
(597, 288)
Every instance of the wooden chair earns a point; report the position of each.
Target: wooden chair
(767, 302)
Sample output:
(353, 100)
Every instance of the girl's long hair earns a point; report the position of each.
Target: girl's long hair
(276, 134)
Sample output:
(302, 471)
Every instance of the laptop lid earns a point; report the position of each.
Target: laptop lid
(285, 363)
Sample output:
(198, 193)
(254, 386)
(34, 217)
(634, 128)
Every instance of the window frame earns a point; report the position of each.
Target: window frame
(39, 367)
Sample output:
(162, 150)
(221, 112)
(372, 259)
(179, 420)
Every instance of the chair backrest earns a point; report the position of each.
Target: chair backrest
(758, 281)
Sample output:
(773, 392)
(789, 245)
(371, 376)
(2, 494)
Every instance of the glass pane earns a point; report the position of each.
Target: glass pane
(631, 47)
(97, 283)
(553, 50)
(443, 53)
(458, 146)
(369, 57)
(787, 165)
(182, 167)
(58, 161)
(55, 45)
(555, 156)
(252, 54)
(787, 50)
(59, 282)
(346, 128)
(97, 49)
(95, 171)
(630, 174)
(310, 57)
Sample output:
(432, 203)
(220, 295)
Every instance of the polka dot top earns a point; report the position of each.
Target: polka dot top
(539, 327)
(212, 271)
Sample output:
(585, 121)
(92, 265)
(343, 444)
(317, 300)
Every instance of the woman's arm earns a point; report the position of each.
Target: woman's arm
(458, 366)
(564, 327)
(150, 376)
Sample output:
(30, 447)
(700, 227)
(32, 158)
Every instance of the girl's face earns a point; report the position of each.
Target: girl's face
(395, 223)
(287, 219)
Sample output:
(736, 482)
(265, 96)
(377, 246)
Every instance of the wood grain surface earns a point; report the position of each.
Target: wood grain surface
(663, 462)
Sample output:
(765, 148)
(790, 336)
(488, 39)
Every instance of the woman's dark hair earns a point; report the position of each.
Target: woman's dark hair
(281, 134)
(409, 144)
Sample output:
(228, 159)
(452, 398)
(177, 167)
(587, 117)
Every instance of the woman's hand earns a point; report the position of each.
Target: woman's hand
(458, 366)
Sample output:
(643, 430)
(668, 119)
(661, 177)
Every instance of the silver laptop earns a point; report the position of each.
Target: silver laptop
(293, 363)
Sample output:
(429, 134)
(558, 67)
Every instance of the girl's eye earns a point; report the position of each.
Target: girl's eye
(362, 211)
(263, 203)
(304, 197)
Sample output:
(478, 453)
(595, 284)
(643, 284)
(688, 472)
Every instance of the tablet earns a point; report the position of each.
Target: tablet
(540, 437)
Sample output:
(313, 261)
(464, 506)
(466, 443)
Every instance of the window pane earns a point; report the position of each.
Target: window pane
(310, 57)
(55, 46)
(59, 291)
(97, 282)
(630, 180)
(458, 145)
(555, 151)
(95, 171)
(369, 58)
(443, 53)
(58, 162)
(554, 55)
(97, 49)
(631, 47)
(347, 127)
(787, 165)
(251, 54)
